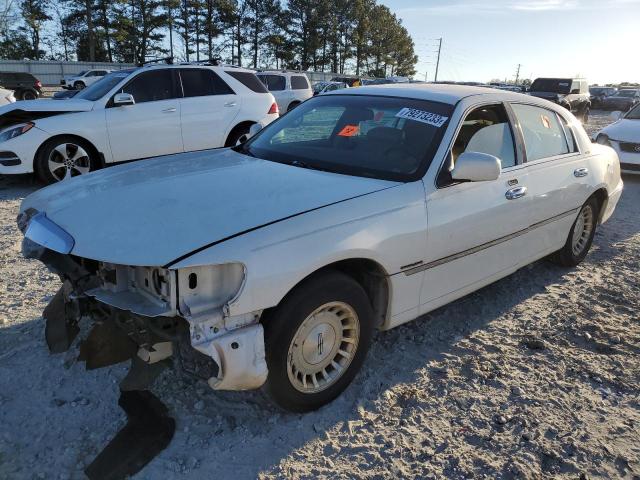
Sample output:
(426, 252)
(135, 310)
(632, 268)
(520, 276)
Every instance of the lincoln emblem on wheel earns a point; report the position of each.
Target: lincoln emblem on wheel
(354, 233)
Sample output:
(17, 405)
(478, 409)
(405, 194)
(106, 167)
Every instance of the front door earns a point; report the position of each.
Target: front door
(151, 127)
(476, 229)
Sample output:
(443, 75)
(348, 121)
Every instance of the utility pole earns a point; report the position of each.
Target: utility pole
(426, 74)
(518, 74)
(438, 61)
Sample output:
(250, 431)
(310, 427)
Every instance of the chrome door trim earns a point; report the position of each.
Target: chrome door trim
(411, 270)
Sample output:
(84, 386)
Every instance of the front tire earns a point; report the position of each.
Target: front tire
(62, 158)
(316, 341)
(581, 235)
(79, 86)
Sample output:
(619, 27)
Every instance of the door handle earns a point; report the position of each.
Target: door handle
(581, 172)
(516, 192)
(230, 104)
(170, 110)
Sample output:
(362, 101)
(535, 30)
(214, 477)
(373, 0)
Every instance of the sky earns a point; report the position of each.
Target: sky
(487, 39)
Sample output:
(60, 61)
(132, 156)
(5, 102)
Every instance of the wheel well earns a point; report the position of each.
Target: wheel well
(94, 150)
(371, 277)
(241, 125)
(294, 103)
(603, 197)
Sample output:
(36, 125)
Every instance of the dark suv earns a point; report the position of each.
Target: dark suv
(24, 85)
(571, 93)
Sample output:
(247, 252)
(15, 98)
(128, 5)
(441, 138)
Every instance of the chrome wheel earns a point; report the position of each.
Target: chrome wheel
(68, 160)
(323, 347)
(582, 230)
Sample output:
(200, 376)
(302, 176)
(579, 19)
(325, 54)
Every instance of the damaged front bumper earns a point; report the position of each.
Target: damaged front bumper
(139, 313)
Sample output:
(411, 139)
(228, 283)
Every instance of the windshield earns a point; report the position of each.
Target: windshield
(82, 73)
(370, 136)
(626, 93)
(103, 86)
(634, 113)
(554, 85)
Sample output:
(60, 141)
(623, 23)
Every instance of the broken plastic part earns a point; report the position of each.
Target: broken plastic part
(58, 331)
(141, 375)
(106, 345)
(148, 431)
(157, 352)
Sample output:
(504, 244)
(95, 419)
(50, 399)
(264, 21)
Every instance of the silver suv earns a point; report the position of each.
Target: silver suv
(290, 89)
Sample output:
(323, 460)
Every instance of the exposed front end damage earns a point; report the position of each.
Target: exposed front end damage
(151, 315)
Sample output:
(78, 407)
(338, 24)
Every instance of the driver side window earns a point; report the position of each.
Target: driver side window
(485, 129)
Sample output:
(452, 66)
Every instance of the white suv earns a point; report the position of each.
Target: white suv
(290, 89)
(130, 115)
(83, 79)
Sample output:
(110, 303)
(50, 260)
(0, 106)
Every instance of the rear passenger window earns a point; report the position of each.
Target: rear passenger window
(249, 80)
(544, 136)
(202, 82)
(298, 82)
(274, 83)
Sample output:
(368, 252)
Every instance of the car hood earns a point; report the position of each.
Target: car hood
(624, 131)
(154, 211)
(33, 109)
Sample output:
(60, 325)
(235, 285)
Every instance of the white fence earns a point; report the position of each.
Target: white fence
(50, 73)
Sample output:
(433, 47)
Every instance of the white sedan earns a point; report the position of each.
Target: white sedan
(131, 115)
(624, 137)
(6, 96)
(274, 261)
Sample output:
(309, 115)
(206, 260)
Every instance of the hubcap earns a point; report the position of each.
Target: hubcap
(68, 160)
(241, 140)
(323, 347)
(582, 230)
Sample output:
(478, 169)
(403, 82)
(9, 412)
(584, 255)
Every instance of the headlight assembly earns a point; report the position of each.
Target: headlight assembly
(15, 131)
(207, 288)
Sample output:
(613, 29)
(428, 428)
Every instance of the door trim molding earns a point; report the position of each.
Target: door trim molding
(413, 268)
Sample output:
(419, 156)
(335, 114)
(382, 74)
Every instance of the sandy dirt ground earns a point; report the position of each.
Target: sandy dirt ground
(535, 376)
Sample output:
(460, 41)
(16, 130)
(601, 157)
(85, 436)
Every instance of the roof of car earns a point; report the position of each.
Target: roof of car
(445, 93)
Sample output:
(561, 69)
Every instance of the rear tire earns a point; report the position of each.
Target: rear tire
(292, 105)
(29, 95)
(238, 136)
(580, 237)
(65, 157)
(79, 86)
(316, 341)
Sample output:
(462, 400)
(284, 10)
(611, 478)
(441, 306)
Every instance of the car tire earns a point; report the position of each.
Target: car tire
(65, 157)
(238, 136)
(28, 95)
(79, 86)
(316, 341)
(581, 235)
(292, 105)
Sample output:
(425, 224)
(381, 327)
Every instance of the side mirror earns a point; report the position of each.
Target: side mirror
(476, 167)
(254, 130)
(615, 116)
(123, 99)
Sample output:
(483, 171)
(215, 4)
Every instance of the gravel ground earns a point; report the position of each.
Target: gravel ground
(536, 376)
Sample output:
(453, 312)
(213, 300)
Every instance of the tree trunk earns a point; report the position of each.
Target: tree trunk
(90, 30)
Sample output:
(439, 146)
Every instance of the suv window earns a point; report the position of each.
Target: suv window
(249, 80)
(151, 86)
(298, 82)
(202, 82)
(274, 83)
(543, 134)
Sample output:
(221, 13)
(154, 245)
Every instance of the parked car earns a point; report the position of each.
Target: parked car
(83, 79)
(624, 137)
(326, 87)
(598, 94)
(289, 89)
(359, 210)
(571, 93)
(130, 115)
(6, 96)
(24, 85)
(623, 100)
(353, 81)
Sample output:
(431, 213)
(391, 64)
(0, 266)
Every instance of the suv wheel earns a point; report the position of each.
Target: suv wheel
(79, 85)
(238, 136)
(29, 95)
(63, 158)
(316, 341)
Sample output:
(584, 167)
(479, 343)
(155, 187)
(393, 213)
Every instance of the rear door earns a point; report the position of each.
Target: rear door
(558, 175)
(151, 127)
(476, 229)
(207, 109)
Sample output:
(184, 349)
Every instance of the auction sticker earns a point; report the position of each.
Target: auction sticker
(349, 131)
(422, 116)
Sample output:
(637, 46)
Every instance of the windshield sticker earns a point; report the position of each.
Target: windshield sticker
(349, 131)
(545, 121)
(422, 116)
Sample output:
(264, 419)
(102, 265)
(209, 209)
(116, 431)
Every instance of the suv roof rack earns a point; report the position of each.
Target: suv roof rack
(167, 60)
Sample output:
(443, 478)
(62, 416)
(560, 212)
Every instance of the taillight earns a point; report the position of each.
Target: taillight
(38, 84)
(273, 109)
